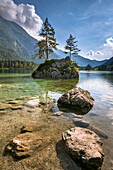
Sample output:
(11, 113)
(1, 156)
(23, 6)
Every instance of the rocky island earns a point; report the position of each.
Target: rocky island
(57, 69)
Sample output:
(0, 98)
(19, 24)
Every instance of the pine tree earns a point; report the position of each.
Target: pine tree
(71, 47)
(48, 42)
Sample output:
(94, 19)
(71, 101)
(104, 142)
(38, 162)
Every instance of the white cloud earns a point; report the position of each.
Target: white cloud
(90, 53)
(109, 42)
(108, 47)
(105, 52)
(22, 14)
(99, 53)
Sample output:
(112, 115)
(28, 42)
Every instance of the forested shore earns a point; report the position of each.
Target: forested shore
(17, 64)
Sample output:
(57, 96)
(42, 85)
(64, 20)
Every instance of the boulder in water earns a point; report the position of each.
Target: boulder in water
(84, 146)
(76, 99)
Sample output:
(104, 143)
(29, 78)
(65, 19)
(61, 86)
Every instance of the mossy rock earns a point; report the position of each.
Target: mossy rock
(57, 69)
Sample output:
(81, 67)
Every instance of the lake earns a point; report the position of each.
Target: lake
(14, 85)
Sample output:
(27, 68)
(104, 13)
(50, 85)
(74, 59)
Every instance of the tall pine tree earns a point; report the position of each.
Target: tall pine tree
(71, 48)
(48, 42)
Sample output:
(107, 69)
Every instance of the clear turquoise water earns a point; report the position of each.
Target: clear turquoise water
(99, 84)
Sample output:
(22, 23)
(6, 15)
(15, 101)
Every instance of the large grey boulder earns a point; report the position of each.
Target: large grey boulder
(84, 146)
(76, 99)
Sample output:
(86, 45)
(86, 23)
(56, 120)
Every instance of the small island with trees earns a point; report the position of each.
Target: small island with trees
(55, 68)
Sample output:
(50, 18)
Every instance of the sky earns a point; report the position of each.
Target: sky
(90, 21)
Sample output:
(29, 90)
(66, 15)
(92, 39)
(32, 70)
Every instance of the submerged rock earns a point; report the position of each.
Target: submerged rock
(23, 145)
(32, 103)
(32, 126)
(23, 97)
(48, 102)
(98, 132)
(84, 146)
(2, 112)
(14, 102)
(76, 99)
(80, 123)
(46, 105)
(16, 107)
(58, 114)
(4, 106)
(57, 69)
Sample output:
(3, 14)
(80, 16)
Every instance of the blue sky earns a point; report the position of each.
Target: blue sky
(91, 22)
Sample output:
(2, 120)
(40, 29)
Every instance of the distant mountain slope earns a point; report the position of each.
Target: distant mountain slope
(109, 62)
(82, 61)
(107, 66)
(15, 42)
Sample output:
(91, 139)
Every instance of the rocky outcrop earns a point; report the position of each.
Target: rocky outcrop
(84, 146)
(57, 69)
(23, 145)
(76, 99)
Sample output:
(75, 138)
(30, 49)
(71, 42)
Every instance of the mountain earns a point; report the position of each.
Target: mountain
(82, 61)
(15, 42)
(109, 62)
(107, 66)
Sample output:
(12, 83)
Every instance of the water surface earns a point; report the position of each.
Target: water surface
(99, 84)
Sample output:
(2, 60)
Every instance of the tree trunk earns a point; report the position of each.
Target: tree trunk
(46, 48)
(70, 53)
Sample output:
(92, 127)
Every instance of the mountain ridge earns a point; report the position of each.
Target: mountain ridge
(109, 62)
(16, 43)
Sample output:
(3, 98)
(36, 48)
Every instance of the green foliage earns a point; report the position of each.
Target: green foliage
(71, 96)
(16, 64)
(15, 43)
(48, 42)
(47, 64)
(88, 67)
(105, 68)
(71, 48)
(102, 68)
(110, 68)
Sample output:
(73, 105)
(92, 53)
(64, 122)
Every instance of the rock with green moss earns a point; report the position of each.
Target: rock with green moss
(57, 69)
(76, 100)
